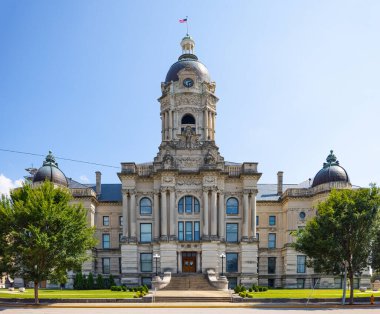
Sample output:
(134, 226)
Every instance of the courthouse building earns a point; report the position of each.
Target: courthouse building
(189, 205)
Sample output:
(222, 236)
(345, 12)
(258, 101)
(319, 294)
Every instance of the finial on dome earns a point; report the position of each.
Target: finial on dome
(331, 160)
(50, 160)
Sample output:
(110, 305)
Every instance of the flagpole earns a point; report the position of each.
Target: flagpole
(187, 26)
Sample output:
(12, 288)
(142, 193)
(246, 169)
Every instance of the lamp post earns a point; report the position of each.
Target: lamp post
(156, 257)
(222, 256)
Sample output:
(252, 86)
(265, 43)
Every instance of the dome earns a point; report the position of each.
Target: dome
(50, 171)
(187, 60)
(331, 172)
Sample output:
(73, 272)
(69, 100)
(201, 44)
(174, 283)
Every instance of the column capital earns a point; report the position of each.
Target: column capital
(129, 191)
(250, 191)
(206, 189)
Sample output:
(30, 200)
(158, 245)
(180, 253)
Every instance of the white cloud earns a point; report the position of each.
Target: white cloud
(7, 184)
(84, 179)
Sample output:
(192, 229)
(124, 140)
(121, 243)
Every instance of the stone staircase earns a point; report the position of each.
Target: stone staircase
(196, 282)
(190, 288)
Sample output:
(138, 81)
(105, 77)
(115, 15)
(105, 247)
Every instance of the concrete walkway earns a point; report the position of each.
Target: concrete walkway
(192, 293)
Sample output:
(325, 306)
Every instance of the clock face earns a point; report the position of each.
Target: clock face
(188, 82)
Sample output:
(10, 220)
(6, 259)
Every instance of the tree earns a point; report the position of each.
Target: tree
(341, 234)
(90, 281)
(42, 235)
(375, 258)
(99, 282)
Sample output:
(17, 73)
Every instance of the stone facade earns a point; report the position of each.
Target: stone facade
(189, 205)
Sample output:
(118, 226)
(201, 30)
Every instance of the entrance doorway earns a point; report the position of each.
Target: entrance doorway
(189, 262)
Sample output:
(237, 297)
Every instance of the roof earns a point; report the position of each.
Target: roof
(110, 192)
(268, 192)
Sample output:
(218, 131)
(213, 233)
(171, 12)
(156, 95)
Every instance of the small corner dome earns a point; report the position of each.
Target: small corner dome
(50, 171)
(188, 60)
(331, 172)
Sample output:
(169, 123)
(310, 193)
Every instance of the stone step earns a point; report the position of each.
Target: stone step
(189, 282)
(191, 299)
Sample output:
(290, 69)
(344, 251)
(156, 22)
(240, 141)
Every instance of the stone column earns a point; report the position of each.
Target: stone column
(125, 214)
(133, 216)
(253, 214)
(245, 216)
(213, 126)
(156, 217)
(164, 215)
(209, 125)
(214, 215)
(172, 213)
(221, 216)
(163, 125)
(166, 125)
(205, 118)
(205, 214)
(170, 124)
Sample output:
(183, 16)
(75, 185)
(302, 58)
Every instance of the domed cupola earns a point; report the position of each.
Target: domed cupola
(331, 172)
(187, 60)
(50, 171)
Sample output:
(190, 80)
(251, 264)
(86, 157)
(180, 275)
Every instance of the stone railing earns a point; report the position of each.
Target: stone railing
(306, 192)
(220, 283)
(145, 170)
(158, 283)
(233, 171)
(83, 192)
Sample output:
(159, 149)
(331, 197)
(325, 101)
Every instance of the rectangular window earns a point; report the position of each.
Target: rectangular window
(316, 282)
(188, 204)
(146, 281)
(232, 282)
(180, 206)
(120, 221)
(231, 262)
(180, 231)
(196, 206)
(120, 265)
(271, 240)
(271, 265)
(271, 283)
(145, 232)
(120, 236)
(257, 220)
(106, 220)
(232, 232)
(301, 264)
(300, 283)
(197, 232)
(189, 231)
(146, 262)
(257, 236)
(106, 241)
(106, 265)
(272, 220)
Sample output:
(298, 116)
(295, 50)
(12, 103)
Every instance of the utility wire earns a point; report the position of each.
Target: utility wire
(67, 159)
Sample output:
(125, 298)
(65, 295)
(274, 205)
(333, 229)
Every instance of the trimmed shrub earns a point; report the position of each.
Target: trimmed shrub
(99, 282)
(90, 282)
(112, 281)
(250, 290)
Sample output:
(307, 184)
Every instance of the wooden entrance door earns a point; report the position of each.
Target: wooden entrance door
(189, 262)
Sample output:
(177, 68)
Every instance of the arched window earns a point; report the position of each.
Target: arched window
(145, 206)
(188, 204)
(232, 207)
(188, 119)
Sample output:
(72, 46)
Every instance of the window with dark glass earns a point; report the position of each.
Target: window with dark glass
(257, 236)
(146, 262)
(145, 206)
(232, 232)
(120, 220)
(180, 231)
(106, 265)
(106, 220)
(188, 231)
(271, 282)
(271, 240)
(271, 265)
(120, 236)
(232, 206)
(106, 241)
(257, 220)
(231, 262)
(232, 282)
(197, 231)
(300, 283)
(272, 220)
(120, 265)
(188, 204)
(146, 281)
(302, 215)
(145, 232)
(301, 263)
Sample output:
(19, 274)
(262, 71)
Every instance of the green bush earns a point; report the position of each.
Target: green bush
(243, 294)
(90, 282)
(116, 288)
(250, 290)
(99, 282)
(124, 288)
(112, 281)
(239, 288)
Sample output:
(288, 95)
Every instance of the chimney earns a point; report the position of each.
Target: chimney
(280, 176)
(98, 182)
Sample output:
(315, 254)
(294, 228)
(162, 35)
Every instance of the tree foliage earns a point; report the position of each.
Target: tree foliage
(342, 232)
(42, 235)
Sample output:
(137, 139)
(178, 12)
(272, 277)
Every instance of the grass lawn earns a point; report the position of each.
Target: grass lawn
(66, 294)
(308, 293)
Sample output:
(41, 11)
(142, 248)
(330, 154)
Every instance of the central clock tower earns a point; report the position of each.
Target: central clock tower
(188, 112)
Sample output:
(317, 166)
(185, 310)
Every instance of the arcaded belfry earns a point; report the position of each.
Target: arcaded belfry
(189, 209)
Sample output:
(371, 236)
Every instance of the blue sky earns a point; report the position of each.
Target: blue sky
(295, 79)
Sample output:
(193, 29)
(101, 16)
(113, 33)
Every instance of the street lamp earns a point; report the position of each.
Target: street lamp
(156, 257)
(222, 256)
